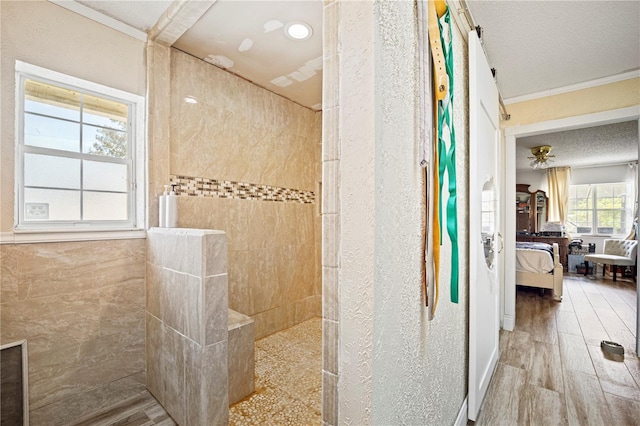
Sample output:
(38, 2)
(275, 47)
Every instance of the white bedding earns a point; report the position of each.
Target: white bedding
(537, 261)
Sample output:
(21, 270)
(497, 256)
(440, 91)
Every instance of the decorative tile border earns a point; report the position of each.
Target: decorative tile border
(204, 187)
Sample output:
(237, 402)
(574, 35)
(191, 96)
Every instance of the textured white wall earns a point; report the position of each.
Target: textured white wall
(357, 202)
(395, 366)
(419, 366)
(536, 179)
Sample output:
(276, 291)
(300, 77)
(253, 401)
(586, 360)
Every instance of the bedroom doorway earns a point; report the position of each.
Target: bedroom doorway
(511, 134)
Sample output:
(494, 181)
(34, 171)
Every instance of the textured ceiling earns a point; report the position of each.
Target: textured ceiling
(542, 45)
(244, 37)
(599, 145)
(142, 15)
(247, 38)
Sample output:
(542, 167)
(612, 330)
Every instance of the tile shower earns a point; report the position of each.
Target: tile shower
(246, 161)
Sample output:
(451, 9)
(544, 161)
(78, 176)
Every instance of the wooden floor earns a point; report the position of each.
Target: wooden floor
(140, 410)
(551, 369)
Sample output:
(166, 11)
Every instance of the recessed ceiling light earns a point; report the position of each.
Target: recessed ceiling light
(191, 99)
(298, 30)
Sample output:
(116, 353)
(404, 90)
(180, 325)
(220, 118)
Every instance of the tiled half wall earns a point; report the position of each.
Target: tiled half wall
(186, 318)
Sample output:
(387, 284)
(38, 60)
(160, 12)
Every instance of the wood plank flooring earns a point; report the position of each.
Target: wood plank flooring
(140, 410)
(551, 369)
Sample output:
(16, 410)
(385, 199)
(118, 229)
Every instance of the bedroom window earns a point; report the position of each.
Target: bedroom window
(601, 209)
(78, 154)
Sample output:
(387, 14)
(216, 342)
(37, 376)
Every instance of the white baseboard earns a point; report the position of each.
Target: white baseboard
(508, 322)
(463, 414)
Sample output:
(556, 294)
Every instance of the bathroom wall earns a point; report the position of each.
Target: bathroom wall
(247, 162)
(384, 362)
(80, 305)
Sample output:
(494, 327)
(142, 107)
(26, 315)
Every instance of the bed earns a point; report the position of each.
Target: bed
(538, 265)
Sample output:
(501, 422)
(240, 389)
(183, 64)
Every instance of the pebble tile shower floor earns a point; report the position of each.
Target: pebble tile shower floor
(288, 379)
(288, 386)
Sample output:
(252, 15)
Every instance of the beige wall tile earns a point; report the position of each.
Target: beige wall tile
(206, 394)
(330, 294)
(286, 230)
(64, 411)
(154, 358)
(153, 287)
(59, 268)
(176, 293)
(215, 254)
(236, 223)
(305, 223)
(239, 288)
(263, 280)
(158, 76)
(330, 346)
(241, 362)
(80, 306)
(329, 398)
(173, 374)
(215, 308)
(8, 273)
(241, 132)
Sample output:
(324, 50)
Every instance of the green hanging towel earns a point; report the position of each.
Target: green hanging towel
(448, 157)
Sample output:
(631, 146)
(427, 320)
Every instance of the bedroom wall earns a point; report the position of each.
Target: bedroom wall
(580, 102)
(536, 179)
(79, 305)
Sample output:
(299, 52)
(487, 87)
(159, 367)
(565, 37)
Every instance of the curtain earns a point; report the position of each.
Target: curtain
(632, 176)
(559, 179)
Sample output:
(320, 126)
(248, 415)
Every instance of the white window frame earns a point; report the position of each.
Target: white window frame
(85, 230)
(594, 211)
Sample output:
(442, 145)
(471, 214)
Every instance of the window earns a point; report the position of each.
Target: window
(602, 209)
(79, 154)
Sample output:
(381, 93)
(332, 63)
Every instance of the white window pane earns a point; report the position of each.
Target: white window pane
(104, 206)
(50, 100)
(101, 141)
(51, 172)
(104, 176)
(52, 133)
(51, 204)
(104, 112)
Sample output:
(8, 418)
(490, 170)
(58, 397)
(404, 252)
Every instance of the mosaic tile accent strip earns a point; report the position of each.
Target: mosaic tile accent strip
(205, 187)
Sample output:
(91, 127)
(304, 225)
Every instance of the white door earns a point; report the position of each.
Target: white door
(484, 239)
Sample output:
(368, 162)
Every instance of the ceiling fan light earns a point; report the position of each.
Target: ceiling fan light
(540, 157)
(298, 31)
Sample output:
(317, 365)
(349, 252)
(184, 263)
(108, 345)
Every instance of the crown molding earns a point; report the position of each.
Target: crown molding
(574, 87)
(94, 15)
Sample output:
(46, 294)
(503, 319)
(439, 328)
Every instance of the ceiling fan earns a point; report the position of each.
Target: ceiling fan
(541, 158)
